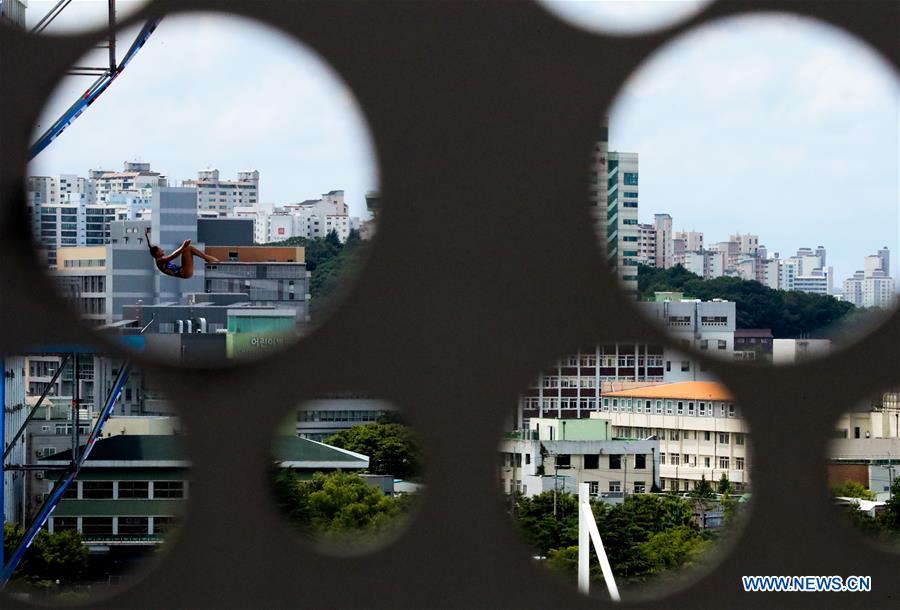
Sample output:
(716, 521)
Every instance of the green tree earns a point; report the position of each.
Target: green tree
(703, 490)
(392, 448)
(672, 548)
(51, 557)
(542, 530)
(890, 516)
(852, 489)
(336, 505)
(724, 485)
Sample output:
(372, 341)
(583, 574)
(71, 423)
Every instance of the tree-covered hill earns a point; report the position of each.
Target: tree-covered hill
(787, 313)
(331, 263)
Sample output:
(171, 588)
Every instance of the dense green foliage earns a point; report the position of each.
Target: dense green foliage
(852, 489)
(337, 506)
(724, 485)
(330, 263)
(885, 526)
(788, 314)
(391, 447)
(51, 557)
(703, 489)
(645, 535)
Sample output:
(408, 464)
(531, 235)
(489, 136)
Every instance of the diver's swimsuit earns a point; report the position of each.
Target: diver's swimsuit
(170, 269)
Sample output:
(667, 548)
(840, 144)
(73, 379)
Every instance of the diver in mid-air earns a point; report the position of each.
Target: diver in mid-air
(187, 252)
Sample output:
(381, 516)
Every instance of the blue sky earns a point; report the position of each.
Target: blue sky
(221, 92)
(777, 126)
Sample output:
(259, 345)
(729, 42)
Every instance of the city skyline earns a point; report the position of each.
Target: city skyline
(799, 117)
(268, 104)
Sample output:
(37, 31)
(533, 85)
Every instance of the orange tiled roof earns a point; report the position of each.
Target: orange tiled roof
(690, 390)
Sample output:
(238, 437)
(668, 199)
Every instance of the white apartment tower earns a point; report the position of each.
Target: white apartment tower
(222, 196)
(873, 286)
(665, 243)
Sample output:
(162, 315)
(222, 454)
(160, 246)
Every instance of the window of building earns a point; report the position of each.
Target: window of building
(662, 458)
(738, 463)
(630, 178)
(518, 460)
(563, 460)
(706, 461)
(593, 487)
(97, 490)
(659, 407)
(64, 524)
(673, 435)
(706, 435)
(723, 438)
(704, 343)
(675, 459)
(161, 525)
(615, 486)
(723, 463)
(168, 489)
(730, 410)
(723, 344)
(134, 526)
(134, 489)
(640, 461)
(591, 461)
(738, 439)
(668, 407)
(680, 408)
(615, 462)
(97, 526)
(690, 408)
(527, 458)
(640, 487)
(685, 366)
(668, 366)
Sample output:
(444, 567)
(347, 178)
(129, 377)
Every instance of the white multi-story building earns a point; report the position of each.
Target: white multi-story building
(866, 447)
(873, 286)
(560, 454)
(700, 430)
(665, 243)
(222, 196)
(311, 219)
(794, 351)
(693, 240)
(135, 177)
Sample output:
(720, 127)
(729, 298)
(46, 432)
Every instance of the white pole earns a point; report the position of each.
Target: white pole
(586, 522)
(584, 551)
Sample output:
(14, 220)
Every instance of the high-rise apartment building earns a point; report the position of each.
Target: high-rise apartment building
(621, 211)
(873, 286)
(222, 196)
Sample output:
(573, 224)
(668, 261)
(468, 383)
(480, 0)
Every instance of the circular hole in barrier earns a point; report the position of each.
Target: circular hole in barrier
(109, 512)
(249, 146)
(746, 182)
(347, 473)
(664, 467)
(623, 17)
(863, 467)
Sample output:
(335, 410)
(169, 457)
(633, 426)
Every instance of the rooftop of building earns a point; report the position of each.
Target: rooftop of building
(686, 390)
(130, 448)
